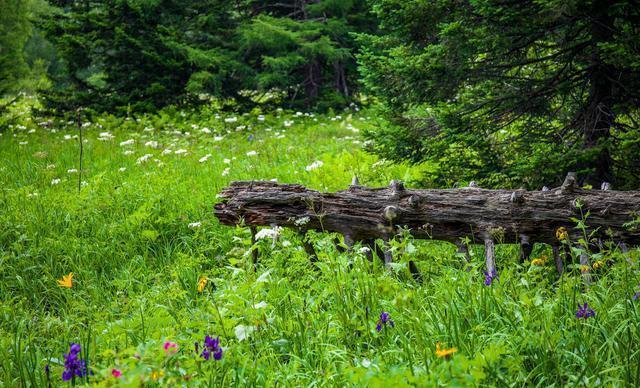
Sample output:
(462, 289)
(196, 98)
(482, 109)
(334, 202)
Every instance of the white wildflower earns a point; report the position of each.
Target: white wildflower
(144, 158)
(51, 166)
(365, 250)
(122, 169)
(180, 152)
(151, 143)
(23, 143)
(226, 161)
(231, 119)
(252, 153)
(166, 152)
(218, 138)
(288, 123)
(261, 118)
(128, 152)
(55, 181)
(194, 225)
(314, 165)
(226, 171)
(301, 221)
(205, 130)
(204, 158)
(127, 142)
(72, 171)
(267, 232)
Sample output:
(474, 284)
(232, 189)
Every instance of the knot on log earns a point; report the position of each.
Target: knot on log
(569, 183)
(517, 196)
(390, 213)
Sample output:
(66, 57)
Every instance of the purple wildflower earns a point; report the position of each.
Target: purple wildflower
(385, 319)
(636, 295)
(211, 346)
(585, 311)
(490, 277)
(73, 365)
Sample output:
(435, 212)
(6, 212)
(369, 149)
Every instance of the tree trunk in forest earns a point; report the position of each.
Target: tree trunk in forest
(504, 216)
(597, 117)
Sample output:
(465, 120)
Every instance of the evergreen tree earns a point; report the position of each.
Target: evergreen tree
(143, 55)
(474, 84)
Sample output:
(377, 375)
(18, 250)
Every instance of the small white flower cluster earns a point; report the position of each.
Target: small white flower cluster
(252, 153)
(268, 233)
(127, 142)
(144, 158)
(314, 165)
(105, 136)
(301, 221)
(204, 158)
(195, 225)
(231, 119)
(151, 143)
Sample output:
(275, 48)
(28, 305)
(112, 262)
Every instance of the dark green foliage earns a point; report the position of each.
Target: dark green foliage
(142, 55)
(305, 48)
(476, 85)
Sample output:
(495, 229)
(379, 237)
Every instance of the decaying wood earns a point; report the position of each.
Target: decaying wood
(365, 214)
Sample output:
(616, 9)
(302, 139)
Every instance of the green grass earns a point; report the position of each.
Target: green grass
(136, 262)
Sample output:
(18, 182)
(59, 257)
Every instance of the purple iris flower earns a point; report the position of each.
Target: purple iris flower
(211, 346)
(73, 365)
(490, 277)
(585, 311)
(636, 295)
(385, 319)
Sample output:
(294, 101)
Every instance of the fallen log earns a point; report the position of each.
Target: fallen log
(500, 216)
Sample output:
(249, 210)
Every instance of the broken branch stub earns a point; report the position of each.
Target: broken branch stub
(449, 214)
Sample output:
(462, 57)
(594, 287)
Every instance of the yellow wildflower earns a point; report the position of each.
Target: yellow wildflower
(444, 353)
(542, 260)
(598, 264)
(562, 234)
(584, 268)
(202, 283)
(66, 281)
(155, 375)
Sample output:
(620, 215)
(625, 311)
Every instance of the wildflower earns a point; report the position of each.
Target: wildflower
(490, 277)
(562, 234)
(170, 347)
(584, 268)
(128, 152)
(260, 118)
(384, 320)
(194, 225)
(585, 311)
(301, 221)
(287, 123)
(55, 181)
(314, 165)
(598, 264)
(51, 166)
(204, 158)
(166, 151)
(180, 152)
(231, 119)
(122, 169)
(127, 142)
(264, 233)
(116, 373)
(252, 153)
(636, 296)
(226, 161)
(155, 375)
(66, 280)
(144, 158)
(444, 353)
(225, 172)
(72, 171)
(205, 130)
(218, 138)
(202, 283)
(151, 143)
(211, 346)
(542, 260)
(73, 366)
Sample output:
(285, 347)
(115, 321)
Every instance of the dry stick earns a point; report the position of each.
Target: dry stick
(81, 149)
(556, 257)
(489, 252)
(525, 248)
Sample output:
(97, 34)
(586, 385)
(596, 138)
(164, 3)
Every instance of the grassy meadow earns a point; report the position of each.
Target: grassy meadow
(154, 273)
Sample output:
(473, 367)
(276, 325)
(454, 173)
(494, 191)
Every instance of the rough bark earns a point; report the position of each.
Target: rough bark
(364, 214)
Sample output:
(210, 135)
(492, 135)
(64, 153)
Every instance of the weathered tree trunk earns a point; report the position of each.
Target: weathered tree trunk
(503, 216)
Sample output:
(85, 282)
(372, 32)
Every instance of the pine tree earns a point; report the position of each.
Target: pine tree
(473, 84)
